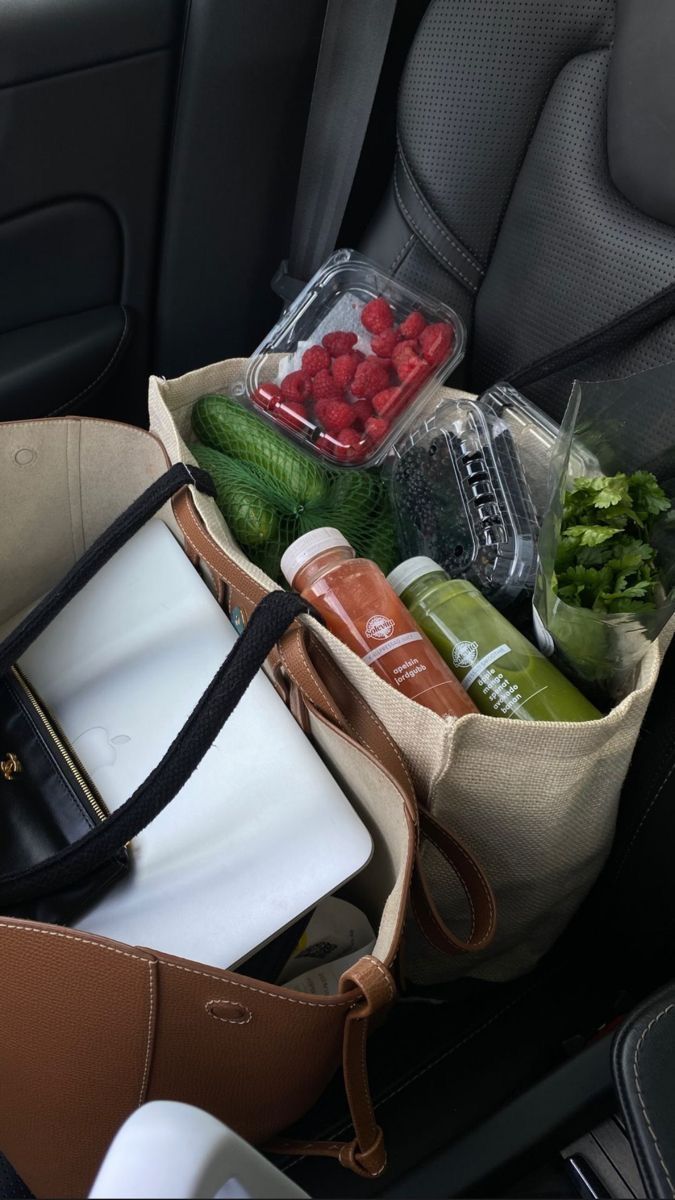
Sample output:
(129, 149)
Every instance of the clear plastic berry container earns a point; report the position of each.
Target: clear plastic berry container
(535, 435)
(351, 362)
(461, 497)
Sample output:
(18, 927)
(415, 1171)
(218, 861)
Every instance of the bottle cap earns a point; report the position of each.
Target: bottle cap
(407, 572)
(307, 547)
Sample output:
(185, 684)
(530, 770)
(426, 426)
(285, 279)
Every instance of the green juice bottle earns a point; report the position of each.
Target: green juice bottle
(505, 675)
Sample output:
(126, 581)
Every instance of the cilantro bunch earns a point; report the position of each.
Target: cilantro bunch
(605, 561)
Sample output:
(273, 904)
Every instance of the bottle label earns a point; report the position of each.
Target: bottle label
(393, 644)
(483, 663)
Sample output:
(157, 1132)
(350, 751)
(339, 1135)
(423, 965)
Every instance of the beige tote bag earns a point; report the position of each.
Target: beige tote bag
(535, 802)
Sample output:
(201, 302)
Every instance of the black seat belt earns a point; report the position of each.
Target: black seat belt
(617, 333)
(353, 45)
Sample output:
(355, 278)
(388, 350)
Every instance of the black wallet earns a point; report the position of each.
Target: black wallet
(46, 803)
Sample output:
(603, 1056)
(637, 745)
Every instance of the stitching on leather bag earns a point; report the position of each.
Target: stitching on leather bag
(216, 1016)
(54, 412)
(69, 937)
(247, 987)
(425, 241)
(211, 541)
(251, 599)
(383, 973)
(148, 1048)
(350, 687)
(457, 875)
(455, 243)
(643, 1037)
(313, 676)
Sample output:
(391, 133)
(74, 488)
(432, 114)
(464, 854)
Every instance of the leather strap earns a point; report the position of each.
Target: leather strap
(288, 663)
(79, 858)
(479, 895)
(368, 730)
(310, 674)
(365, 1155)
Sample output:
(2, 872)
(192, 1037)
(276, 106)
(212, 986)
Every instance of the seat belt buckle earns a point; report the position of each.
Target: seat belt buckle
(284, 285)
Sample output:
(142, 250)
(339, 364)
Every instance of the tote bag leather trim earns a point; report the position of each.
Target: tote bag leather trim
(369, 732)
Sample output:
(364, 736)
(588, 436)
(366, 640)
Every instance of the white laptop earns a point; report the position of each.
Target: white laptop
(260, 832)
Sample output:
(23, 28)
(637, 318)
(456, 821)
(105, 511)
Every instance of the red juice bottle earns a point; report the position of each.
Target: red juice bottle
(358, 606)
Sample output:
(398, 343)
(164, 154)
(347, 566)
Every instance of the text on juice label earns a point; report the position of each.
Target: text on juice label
(483, 663)
(407, 670)
(503, 696)
(393, 644)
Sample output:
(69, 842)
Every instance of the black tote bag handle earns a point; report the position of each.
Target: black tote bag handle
(268, 623)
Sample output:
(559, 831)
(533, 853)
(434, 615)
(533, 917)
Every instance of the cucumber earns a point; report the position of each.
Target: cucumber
(358, 491)
(358, 505)
(251, 519)
(223, 425)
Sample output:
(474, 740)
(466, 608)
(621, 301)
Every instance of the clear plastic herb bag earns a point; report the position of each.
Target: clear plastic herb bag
(606, 581)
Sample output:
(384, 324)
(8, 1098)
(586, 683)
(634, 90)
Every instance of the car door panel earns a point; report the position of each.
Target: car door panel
(86, 103)
(71, 249)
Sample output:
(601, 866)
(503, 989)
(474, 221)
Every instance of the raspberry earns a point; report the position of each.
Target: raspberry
(339, 342)
(406, 360)
(325, 387)
(362, 410)
(376, 428)
(291, 413)
(314, 360)
(344, 367)
(387, 402)
(383, 343)
(436, 342)
(377, 315)
(413, 325)
(348, 446)
(334, 414)
(295, 386)
(371, 376)
(266, 396)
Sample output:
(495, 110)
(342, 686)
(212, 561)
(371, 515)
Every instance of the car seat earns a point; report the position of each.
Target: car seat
(534, 190)
(534, 185)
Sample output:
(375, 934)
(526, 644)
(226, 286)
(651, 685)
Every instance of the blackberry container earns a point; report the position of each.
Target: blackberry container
(461, 498)
(535, 434)
(351, 399)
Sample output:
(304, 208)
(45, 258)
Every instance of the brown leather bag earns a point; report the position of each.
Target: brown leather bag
(90, 1028)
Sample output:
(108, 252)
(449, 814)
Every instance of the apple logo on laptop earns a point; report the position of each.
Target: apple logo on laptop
(97, 749)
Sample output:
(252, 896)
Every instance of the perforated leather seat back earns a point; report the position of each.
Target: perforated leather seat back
(533, 187)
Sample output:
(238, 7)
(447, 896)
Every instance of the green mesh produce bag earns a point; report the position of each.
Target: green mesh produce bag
(270, 492)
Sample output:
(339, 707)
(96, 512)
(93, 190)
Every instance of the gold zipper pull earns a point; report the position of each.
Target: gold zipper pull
(10, 766)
